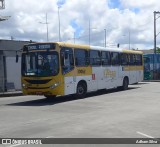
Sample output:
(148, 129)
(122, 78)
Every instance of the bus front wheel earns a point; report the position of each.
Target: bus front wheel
(49, 97)
(81, 90)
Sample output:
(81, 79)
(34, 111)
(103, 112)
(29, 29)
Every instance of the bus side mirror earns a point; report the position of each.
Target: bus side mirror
(118, 45)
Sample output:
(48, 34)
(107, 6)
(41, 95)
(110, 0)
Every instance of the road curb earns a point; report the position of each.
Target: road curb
(10, 94)
(151, 81)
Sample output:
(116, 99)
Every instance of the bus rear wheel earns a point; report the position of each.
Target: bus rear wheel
(81, 90)
(125, 84)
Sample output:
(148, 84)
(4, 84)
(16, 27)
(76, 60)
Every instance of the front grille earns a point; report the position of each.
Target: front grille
(38, 81)
(38, 87)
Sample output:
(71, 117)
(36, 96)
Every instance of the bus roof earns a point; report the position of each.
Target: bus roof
(113, 49)
(63, 44)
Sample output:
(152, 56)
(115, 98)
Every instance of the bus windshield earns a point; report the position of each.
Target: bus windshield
(40, 64)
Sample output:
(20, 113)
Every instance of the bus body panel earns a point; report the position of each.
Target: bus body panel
(106, 77)
(72, 78)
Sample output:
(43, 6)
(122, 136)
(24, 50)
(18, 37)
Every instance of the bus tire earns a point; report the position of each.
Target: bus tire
(49, 97)
(125, 83)
(81, 90)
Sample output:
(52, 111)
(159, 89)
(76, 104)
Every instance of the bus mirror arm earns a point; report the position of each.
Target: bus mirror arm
(17, 57)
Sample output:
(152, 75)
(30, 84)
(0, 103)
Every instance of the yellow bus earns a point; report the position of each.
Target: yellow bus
(53, 69)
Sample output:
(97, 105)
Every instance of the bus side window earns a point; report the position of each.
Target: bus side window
(67, 61)
(115, 58)
(81, 57)
(105, 58)
(95, 58)
(124, 59)
(132, 61)
(138, 59)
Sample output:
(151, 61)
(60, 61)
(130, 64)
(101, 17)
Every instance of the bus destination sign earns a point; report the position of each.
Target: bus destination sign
(40, 46)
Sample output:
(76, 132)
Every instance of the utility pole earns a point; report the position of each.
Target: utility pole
(155, 42)
(2, 4)
(89, 31)
(104, 37)
(74, 37)
(46, 23)
(47, 26)
(59, 24)
(129, 37)
(155, 34)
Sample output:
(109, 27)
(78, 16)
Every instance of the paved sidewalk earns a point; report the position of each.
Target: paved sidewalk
(10, 93)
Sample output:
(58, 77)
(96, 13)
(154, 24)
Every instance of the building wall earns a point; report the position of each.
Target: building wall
(10, 71)
(1, 73)
(13, 73)
(11, 45)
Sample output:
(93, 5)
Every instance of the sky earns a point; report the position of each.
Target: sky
(127, 22)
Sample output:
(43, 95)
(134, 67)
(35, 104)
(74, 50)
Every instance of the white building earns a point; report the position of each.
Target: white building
(10, 71)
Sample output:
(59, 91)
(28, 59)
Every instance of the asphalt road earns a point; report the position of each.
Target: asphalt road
(134, 113)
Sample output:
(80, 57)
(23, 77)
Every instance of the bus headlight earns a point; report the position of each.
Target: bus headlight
(24, 86)
(54, 85)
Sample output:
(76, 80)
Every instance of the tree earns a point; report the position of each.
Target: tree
(158, 50)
